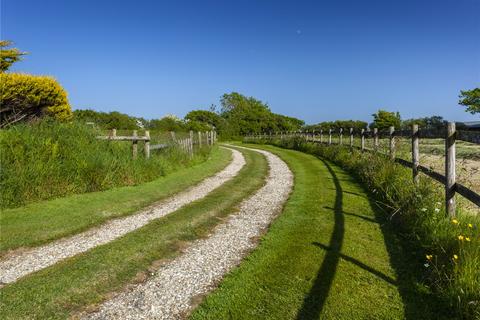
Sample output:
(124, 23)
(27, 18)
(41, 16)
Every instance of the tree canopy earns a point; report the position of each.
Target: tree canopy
(244, 115)
(471, 100)
(108, 120)
(433, 122)
(383, 119)
(357, 125)
(9, 56)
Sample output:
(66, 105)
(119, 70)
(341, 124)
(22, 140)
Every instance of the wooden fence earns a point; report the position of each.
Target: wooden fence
(185, 144)
(449, 133)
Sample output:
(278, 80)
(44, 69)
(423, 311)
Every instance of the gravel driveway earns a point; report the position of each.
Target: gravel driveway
(172, 291)
(17, 265)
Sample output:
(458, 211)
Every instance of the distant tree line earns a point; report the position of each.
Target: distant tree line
(382, 120)
(239, 115)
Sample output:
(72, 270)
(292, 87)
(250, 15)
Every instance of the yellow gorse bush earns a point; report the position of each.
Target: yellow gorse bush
(28, 96)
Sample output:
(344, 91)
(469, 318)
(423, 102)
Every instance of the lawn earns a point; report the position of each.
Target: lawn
(44, 221)
(329, 255)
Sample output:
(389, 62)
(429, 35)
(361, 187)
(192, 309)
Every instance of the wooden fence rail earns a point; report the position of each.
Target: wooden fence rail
(449, 134)
(186, 145)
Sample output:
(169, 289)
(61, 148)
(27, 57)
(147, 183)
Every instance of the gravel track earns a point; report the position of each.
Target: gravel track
(17, 265)
(172, 291)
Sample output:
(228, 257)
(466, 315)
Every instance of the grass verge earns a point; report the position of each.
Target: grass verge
(446, 251)
(48, 220)
(331, 254)
(86, 279)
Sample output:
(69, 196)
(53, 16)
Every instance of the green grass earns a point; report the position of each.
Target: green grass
(74, 284)
(48, 159)
(48, 220)
(330, 255)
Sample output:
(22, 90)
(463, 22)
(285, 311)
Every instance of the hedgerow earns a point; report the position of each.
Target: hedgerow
(448, 250)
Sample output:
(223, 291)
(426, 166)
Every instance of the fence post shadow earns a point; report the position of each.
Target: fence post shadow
(315, 300)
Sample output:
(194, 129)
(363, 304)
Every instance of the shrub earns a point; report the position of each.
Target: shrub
(24, 97)
(448, 250)
(51, 159)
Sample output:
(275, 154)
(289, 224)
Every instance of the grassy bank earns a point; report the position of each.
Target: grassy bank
(44, 221)
(86, 279)
(448, 249)
(48, 159)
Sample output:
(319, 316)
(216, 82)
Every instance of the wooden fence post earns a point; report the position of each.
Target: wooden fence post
(114, 132)
(375, 139)
(135, 145)
(172, 134)
(450, 169)
(191, 140)
(415, 153)
(329, 136)
(392, 142)
(351, 138)
(363, 140)
(146, 146)
(341, 136)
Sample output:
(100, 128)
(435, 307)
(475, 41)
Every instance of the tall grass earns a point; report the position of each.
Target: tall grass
(50, 159)
(448, 250)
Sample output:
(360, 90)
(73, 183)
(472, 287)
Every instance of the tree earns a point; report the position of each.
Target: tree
(203, 116)
(167, 123)
(385, 119)
(470, 99)
(8, 56)
(433, 122)
(111, 120)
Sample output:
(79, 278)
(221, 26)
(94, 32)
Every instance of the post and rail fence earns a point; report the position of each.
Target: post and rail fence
(207, 138)
(450, 134)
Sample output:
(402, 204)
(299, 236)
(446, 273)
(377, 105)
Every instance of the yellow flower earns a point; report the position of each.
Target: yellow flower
(460, 237)
(429, 256)
(467, 239)
(455, 221)
(455, 257)
(470, 225)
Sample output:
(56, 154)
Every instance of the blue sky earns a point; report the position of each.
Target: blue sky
(315, 60)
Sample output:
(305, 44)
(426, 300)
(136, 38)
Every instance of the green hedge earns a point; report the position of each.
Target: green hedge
(24, 96)
(52, 159)
(448, 250)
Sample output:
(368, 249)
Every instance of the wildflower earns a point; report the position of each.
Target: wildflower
(424, 209)
(455, 257)
(467, 239)
(426, 265)
(460, 237)
(470, 225)
(429, 256)
(437, 210)
(455, 221)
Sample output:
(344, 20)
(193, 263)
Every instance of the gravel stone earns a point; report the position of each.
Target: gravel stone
(172, 291)
(19, 264)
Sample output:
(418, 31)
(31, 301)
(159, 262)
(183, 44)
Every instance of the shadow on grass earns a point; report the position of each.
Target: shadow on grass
(360, 264)
(355, 215)
(418, 302)
(315, 300)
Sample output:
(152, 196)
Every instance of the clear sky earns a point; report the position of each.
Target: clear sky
(315, 60)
